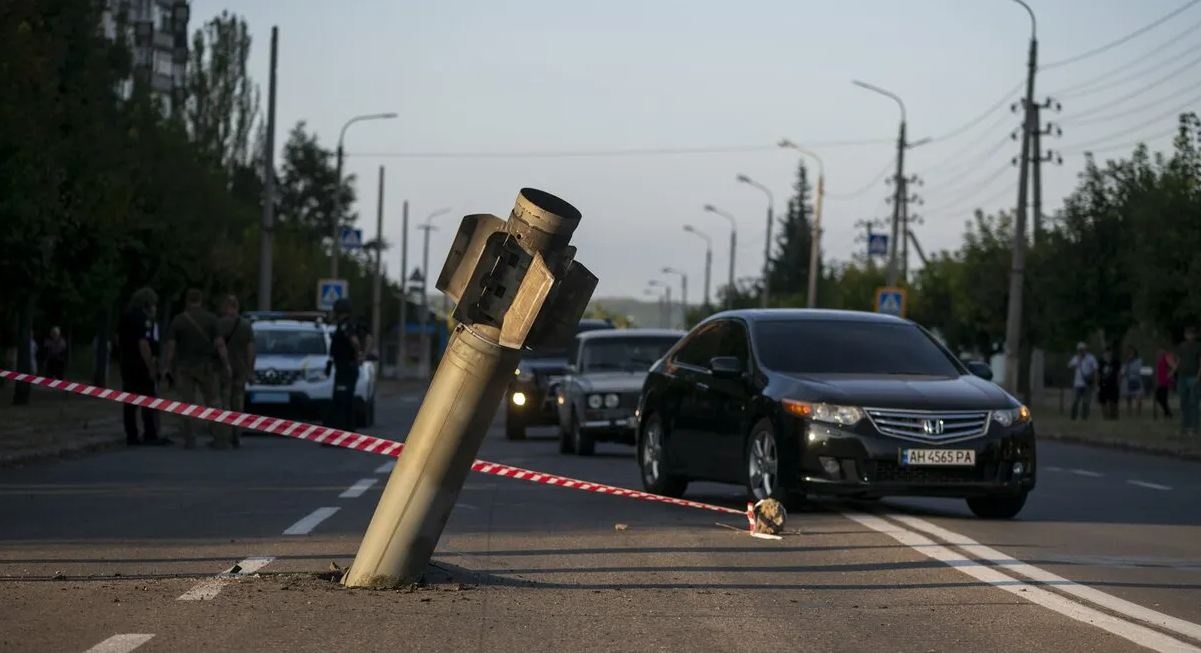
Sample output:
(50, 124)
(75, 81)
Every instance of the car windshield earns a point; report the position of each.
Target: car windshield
(635, 354)
(562, 352)
(850, 347)
(289, 342)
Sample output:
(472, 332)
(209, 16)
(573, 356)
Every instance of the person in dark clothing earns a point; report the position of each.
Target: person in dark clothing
(54, 351)
(137, 344)
(346, 353)
(1109, 386)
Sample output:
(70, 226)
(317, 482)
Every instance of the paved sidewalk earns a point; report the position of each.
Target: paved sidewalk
(55, 424)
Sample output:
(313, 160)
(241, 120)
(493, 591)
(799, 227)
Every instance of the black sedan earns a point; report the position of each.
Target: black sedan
(798, 402)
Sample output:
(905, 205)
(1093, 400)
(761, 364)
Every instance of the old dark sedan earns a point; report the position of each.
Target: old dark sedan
(796, 402)
(605, 372)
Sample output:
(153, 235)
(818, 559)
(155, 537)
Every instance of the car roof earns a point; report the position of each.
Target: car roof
(289, 325)
(630, 333)
(814, 314)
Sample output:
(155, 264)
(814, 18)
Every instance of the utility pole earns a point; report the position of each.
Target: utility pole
(424, 357)
(898, 200)
(401, 356)
(268, 226)
(516, 285)
(708, 258)
(379, 268)
(733, 248)
(1017, 271)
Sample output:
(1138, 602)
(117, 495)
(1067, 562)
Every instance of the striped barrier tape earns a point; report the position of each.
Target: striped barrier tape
(347, 439)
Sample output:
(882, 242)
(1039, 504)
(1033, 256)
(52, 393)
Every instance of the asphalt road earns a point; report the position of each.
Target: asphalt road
(125, 549)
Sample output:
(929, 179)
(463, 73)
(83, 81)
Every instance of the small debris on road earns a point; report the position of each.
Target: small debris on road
(621, 527)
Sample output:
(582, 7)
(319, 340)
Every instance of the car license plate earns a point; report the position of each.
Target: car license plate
(952, 457)
(268, 397)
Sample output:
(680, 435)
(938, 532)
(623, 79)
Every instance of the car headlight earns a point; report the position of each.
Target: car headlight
(518, 398)
(611, 400)
(314, 374)
(522, 376)
(1011, 416)
(595, 401)
(830, 413)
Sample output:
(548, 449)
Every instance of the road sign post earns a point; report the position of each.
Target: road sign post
(330, 291)
(892, 301)
(516, 285)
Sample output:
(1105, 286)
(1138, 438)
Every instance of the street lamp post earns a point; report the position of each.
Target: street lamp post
(771, 201)
(425, 311)
(665, 307)
(900, 181)
(733, 246)
(1017, 270)
(708, 257)
(337, 217)
(683, 295)
(815, 249)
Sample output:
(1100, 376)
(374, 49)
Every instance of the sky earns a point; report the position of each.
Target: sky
(481, 86)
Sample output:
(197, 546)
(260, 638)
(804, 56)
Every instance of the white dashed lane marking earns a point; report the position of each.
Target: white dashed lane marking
(360, 486)
(1149, 485)
(1088, 473)
(310, 521)
(208, 589)
(386, 468)
(120, 643)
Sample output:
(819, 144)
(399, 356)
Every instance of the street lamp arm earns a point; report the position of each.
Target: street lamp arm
(1033, 20)
(700, 234)
(821, 166)
(713, 209)
(429, 219)
(367, 116)
(771, 199)
(881, 91)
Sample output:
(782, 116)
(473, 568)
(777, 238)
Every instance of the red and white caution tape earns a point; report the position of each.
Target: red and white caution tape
(346, 439)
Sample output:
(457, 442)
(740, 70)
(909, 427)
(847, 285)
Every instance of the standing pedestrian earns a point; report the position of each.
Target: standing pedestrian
(239, 345)
(195, 357)
(1085, 365)
(1165, 380)
(54, 351)
(137, 350)
(1108, 381)
(1188, 377)
(1132, 382)
(346, 353)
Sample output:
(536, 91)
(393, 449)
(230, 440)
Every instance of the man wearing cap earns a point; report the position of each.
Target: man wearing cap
(1085, 365)
(346, 353)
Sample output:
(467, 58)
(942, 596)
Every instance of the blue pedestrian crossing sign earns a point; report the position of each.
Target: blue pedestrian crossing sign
(330, 291)
(891, 301)
(877, 245)
(351, 238)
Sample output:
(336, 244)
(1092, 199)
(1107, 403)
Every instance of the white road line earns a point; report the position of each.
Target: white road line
(386, 468)
(1085, 472)
(360, 486)
(1133, 632)
(309, 522)
(209, 588)
(120, 643)
(1052, 468)
(1149, 485)
(1107, 601)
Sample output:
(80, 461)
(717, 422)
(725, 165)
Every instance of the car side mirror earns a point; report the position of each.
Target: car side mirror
(571, 368)
(980, 369)
(725, 367)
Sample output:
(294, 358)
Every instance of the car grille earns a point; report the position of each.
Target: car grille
(277, 377)
(890, 472)
(934, 427)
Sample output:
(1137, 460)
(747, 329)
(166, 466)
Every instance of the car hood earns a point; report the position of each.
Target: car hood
(612, 381)
(897, 391)
(288, 361)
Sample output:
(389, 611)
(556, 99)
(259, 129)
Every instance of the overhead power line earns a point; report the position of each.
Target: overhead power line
(1158, 103)
(599, 153)
(1082, 147)
(1091, 86)
(1109, 104)
(976, 204)
(980, 118)
(1134, 143)
(975, 188)
(866, 187)
(1113, 44)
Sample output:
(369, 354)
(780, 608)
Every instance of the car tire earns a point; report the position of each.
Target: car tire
(652, 463)
(761, 464)
(566, 444)
(514, 426)
(1003, 507)
(582, 441)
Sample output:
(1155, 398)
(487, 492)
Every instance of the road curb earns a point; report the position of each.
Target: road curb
(1131, 447)
(91, 445)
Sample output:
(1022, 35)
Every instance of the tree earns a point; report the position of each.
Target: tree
(310, 194)
(789, 266)
(222, 101)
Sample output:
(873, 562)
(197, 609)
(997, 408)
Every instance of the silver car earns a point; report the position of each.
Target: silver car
(605, 371)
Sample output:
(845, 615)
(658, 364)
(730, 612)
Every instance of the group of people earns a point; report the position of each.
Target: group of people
(1112, 379)
(202, 355)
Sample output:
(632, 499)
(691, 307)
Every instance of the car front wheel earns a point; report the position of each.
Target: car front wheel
(1004, 507)
(651, 459)
(582, 441)
(762, 464)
